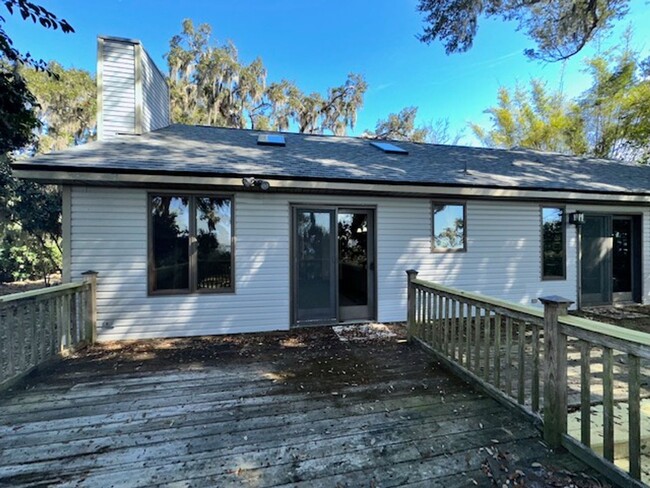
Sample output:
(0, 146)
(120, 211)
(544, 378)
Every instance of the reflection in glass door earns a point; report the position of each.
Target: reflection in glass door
(622, 257)
(315, 266)
(356, 264)
(595, 261)
(333, 275)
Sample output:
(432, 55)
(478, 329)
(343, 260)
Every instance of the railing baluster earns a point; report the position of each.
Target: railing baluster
(477, 340)
(445, 330)
(534, 400)
(508, 357)
(608, 404)
(468, 336)
(487, 337)
(634, 414)
(454, 327)
(429, 336)
(461, 334)
(521, 384)
(585, 393)
(497, 350)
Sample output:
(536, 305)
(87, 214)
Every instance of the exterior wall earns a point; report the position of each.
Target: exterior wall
(133, 96)
(116, 83)
(155, 96)
(109, 235)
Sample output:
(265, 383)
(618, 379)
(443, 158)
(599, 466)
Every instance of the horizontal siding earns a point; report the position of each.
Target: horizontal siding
(118, 88)
(109, 234)
(155, 95)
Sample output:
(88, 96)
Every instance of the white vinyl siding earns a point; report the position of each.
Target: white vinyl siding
(118, 89)
(109, 235)
(155, 96)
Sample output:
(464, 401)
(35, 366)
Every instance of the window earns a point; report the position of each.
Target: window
(389, 148)
(449, 227)
(553, 239)
(190, 244)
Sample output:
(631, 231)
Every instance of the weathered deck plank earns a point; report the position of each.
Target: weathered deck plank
(299, 409)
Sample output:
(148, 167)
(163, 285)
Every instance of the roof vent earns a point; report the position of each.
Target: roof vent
(389, 148)
(271, 140)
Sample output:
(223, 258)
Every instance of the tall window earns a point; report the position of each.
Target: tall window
(553, 244)
(190, 244)
(448, 227)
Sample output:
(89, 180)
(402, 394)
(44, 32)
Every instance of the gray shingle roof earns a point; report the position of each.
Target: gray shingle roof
(216, 151)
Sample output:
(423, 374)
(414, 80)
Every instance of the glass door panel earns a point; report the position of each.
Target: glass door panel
(315, 266)
(596, 263)
(622, 257)
(355, 265)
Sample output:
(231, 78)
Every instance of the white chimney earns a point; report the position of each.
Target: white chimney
(132, 93)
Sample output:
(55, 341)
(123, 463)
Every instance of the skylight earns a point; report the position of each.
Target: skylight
(271, 140)
(389, 148)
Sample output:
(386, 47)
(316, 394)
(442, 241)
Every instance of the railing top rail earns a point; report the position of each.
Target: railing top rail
(596, 329)
(536, 313)
(40, 292)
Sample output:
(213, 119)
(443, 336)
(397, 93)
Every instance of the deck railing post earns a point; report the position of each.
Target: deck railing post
(411, 274)
(555, 370)
(90, 323)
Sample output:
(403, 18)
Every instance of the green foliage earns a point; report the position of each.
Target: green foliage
(30, 226)
(616, 108)
(67, 106)
(560, 28)
(210, 85)
(610, 120)
(535, 119)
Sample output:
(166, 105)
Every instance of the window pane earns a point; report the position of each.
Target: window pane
(553, 243)
(214, 239)
(448, 227)
(170, 234)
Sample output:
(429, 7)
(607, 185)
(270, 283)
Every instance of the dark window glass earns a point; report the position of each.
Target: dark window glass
(191, 240)
(553, 238)
(170, 229)
(214, 237)
(449, 227)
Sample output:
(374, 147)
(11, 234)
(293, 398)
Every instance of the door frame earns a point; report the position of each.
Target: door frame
(293, 292)
(637, 256)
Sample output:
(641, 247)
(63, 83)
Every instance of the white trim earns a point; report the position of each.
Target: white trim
(113, 179)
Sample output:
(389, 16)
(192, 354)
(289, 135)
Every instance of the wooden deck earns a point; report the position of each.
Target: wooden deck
(295, 409)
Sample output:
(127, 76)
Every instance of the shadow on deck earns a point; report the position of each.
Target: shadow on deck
(299, 409)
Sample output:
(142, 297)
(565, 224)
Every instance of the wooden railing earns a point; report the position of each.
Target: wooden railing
(545, 364)
(39, 325)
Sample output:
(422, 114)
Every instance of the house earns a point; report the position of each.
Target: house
(202, 230)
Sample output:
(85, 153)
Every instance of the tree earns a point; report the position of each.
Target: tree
(66, 106)
(401, 127)
(29, 213)
(560, 28)
(210, 85)
(616, 108)
(534, 119)
(609, 120)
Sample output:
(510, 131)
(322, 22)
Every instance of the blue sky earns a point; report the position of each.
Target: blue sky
(317, 42)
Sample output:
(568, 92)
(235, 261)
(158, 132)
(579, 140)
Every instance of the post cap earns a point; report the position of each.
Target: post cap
(90, 272)
(555, 300)
(412, 272)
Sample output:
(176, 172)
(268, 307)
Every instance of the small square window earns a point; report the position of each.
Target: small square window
(449, 227)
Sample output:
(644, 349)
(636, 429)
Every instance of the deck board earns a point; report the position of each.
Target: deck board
(295, 409)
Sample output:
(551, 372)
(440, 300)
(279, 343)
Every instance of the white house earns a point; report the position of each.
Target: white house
(202, 230)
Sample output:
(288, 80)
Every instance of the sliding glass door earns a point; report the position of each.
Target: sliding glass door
(333, 275)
